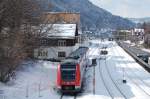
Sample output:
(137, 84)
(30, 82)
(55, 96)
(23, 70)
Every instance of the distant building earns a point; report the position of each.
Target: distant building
(62, 35)
(122, 34)
(58, 42)
(138, 31)
(146, 27)
(135, 34)
(138, 34)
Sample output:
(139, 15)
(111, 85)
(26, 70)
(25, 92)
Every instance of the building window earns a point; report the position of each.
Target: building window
(42, 53)
(61, 42)
(44, 42)
(61, 54)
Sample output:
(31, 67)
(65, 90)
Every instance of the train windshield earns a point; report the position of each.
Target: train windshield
(68, 72)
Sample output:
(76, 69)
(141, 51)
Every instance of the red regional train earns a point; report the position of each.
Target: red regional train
(70, 72)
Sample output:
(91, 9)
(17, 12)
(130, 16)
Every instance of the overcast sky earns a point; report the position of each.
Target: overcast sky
(126, 8)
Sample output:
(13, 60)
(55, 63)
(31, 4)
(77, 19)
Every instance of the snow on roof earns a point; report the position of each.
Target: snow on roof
(59, 30)
(138, 30)
(125, 31)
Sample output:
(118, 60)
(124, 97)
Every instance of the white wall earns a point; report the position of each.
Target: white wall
(52, 52)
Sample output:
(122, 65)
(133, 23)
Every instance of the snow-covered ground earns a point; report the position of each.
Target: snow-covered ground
(138, 43)
(147, 50)
(36, 79)
(104, 81)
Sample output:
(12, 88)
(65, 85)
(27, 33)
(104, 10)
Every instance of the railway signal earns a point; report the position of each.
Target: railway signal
(124, 80)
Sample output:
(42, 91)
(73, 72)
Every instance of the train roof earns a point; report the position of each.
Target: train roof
(75, 56)
(69, 62)
(79, 52)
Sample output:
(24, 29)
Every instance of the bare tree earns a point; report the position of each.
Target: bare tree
(22, 25)
(16, 37)
(146, 27)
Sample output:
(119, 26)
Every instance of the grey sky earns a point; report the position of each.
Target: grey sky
(125, 8)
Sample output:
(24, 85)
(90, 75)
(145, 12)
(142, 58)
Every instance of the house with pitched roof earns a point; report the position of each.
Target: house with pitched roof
(58, 42)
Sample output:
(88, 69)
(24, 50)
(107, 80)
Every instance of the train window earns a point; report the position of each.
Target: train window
(68, 72)
(68, 66)
(68, 75)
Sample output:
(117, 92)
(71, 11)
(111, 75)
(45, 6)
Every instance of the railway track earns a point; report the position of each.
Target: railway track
(114, 82)
(148, 85)
(104, 83)
(68, 97)
(61, 96)
(132, 79)
(97, 48)
(94, 72)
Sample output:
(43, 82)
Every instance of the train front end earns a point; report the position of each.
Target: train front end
(69, 77)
